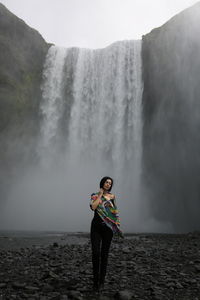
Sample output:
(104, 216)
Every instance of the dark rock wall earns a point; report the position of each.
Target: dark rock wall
(22, 54)
(171, 111)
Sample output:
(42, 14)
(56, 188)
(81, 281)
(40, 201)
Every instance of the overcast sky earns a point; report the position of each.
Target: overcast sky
(94, 23)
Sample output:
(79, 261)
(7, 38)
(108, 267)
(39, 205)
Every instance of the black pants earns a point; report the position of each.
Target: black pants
(101, 237)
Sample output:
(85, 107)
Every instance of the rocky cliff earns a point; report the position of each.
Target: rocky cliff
(171, 108)
(22, 54)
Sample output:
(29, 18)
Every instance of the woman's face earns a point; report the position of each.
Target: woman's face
(107, 184)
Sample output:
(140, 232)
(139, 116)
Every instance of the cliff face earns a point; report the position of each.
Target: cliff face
(22, 54)
(171, 111)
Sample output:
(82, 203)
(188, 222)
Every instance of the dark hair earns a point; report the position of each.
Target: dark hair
(103, 180)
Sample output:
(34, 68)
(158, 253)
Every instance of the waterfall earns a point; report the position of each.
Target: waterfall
(91, 122)
(105, 116)
(52, 104)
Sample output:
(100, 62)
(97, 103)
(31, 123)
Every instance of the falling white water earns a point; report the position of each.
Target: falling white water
(92, 106)
(105, 123)
(52, 104)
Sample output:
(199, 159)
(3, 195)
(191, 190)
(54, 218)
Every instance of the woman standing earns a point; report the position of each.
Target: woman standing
(104, 224)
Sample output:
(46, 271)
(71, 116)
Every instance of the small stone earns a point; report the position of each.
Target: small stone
(64, 297)
(55, 296)
(27, 296)
(179, 285)
(76, 295)
(48, 288)
(182, 274)
(18, 285)
(192, 281)
(126, 250)
(31, 288)
(53, 275)
(124, 295)
(197, 267)
(170, 284)
(103, 297)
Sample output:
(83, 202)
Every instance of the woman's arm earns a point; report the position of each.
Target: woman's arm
(96, 199)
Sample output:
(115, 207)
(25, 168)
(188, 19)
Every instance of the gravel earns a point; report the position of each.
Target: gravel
(142, 266)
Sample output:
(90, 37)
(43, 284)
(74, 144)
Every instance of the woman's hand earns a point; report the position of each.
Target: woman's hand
(100, 192)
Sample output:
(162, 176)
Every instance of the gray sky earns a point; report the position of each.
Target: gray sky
(94, 23)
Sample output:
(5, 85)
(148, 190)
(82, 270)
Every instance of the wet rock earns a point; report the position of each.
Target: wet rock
(48, 288)
(31, 288)
(170, 284)
(179, 286)
(147, 271)
(126, 250)
(124, 295)
(53, 275)
(55, 296)
(103, 297)
(64, 297)
(26, 296)
(18, 285)
(197, 268)
(76, 295)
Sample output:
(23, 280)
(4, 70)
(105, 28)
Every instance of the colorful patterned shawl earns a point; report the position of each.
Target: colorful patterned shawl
(108, 212)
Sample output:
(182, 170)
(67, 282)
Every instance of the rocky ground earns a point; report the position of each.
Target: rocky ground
(143, 266)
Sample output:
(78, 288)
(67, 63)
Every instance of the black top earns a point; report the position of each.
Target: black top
(97, 218)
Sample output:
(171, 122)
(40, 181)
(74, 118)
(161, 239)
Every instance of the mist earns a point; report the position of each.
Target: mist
(57, 199)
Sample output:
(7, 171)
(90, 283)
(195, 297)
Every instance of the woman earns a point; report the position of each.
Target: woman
(104, 224)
